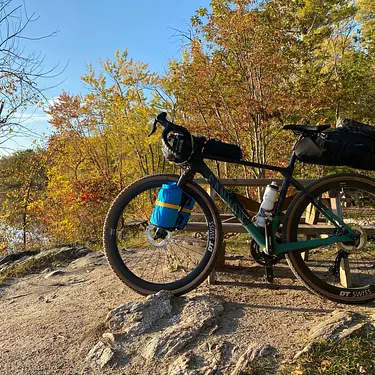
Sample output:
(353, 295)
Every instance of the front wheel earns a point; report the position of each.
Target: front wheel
(179, 261)
(342, 272)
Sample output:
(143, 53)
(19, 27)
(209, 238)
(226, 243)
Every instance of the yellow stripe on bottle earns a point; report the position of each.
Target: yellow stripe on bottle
(167, 205)
(173, 206)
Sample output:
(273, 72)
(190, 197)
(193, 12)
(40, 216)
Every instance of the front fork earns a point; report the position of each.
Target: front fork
(188, 175)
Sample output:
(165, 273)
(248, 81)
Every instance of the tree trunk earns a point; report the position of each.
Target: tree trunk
(24, 223)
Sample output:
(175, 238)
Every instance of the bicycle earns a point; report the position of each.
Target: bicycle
(179, 261)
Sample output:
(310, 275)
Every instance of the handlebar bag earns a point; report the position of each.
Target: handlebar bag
(172, 209)
(341, 147)
(182, 148)
(215, 147)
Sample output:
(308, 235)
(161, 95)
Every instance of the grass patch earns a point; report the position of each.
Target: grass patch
(37, 264)
(96, 247)
(351, 356)
(262, 366)
(238, 244)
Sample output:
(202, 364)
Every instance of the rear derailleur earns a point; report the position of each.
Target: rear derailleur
(335, 269)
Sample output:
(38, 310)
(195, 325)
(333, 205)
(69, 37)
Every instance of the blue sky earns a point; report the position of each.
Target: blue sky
(89, 30)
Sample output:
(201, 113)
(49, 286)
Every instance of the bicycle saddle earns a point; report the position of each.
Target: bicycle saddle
(307, 130)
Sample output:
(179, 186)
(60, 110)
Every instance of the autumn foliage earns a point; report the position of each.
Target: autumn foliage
(246, 69)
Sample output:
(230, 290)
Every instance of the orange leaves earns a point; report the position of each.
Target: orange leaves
(89, 197)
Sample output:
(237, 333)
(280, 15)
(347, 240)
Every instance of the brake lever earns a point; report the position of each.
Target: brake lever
(153, 130)
(162, 119)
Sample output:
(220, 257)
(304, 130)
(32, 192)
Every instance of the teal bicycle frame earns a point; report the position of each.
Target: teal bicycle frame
(242, 215)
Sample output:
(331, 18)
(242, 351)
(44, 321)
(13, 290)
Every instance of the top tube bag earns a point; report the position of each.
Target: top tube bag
(215, 147)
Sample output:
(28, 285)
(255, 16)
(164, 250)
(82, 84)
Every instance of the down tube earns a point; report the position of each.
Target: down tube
(234, 204)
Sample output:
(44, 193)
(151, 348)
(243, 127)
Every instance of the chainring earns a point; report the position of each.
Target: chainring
(260, 257)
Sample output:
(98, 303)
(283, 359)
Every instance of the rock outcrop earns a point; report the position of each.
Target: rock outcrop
(339, 325)
(16, 265)
(171, 335)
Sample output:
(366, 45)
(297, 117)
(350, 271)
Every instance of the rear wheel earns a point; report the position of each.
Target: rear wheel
(179, 261)
(342, 272)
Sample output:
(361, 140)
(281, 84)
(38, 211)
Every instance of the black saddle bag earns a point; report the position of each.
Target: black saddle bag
(214, 147)
(349, 145)
(357, 127)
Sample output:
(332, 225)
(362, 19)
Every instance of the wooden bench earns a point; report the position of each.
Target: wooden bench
(312, 226)
(229, 221)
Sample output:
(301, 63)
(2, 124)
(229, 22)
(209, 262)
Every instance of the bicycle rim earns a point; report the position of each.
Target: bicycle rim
(340, 272)
(181, 260)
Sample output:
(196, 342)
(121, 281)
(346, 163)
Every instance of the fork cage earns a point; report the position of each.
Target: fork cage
(234, 204)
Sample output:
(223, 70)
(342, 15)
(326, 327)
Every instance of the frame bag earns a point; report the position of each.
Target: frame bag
(352, 146)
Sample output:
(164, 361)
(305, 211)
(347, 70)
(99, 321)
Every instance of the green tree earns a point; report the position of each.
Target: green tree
(366, 17)
(253, 66)
(99, 146)
(231, 79)
(23, 181)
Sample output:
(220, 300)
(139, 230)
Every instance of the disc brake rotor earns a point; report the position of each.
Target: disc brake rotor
(359, 243)
(150, 233)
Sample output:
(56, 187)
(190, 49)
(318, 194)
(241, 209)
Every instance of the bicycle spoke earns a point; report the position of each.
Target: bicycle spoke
(187, 255)
(152, 279)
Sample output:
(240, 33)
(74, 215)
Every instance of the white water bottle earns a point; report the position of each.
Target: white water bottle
(269, 199)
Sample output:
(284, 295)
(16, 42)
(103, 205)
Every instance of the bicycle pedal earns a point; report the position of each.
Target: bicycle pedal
(268, 274)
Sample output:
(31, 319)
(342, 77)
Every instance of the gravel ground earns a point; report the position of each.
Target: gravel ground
(49, 324)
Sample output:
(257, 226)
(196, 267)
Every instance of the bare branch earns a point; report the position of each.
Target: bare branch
(20, 71)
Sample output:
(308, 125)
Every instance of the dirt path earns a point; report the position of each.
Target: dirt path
(48, 325)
